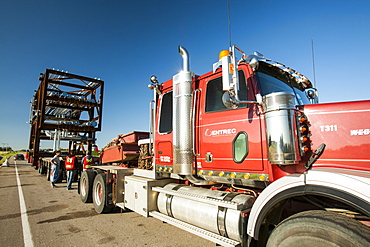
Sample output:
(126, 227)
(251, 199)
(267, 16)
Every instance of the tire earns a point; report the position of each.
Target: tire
(320, 229)
(48, 171)
(99, 194)
(42, 169)
(86, 185)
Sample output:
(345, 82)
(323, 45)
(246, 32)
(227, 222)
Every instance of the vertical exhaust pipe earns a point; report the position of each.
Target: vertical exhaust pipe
(182, 123)
(185, 58)
(182, 127)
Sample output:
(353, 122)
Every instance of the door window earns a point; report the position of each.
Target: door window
(240, 147)
(165, 121)
(215, 92)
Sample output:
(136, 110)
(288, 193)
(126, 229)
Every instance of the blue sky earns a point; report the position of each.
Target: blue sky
(125, 42)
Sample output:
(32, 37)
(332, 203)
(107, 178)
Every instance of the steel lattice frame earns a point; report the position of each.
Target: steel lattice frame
(66, 105)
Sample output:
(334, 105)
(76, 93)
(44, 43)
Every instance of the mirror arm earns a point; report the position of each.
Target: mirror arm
(235, 79)
(234, 94)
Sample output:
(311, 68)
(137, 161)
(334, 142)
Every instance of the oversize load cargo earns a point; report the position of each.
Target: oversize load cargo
(123, 147)
(119, 153)
(132, 137)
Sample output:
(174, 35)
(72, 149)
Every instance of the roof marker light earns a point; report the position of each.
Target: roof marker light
(223, 53)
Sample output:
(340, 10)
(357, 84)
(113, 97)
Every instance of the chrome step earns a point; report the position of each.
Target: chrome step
(213, 237)
(199, 198)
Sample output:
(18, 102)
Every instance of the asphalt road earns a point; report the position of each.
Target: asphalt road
(57, 217)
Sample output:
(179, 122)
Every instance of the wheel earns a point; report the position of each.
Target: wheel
(86, 185)
(48, 171)
(99, 194)
(42, 169)
(319, 229)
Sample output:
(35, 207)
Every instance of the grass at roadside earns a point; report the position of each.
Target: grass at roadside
(6, 155)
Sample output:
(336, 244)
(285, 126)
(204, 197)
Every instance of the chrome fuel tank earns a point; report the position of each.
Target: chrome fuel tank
(191, 206)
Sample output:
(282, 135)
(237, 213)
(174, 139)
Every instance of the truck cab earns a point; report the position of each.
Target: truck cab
(229, 139)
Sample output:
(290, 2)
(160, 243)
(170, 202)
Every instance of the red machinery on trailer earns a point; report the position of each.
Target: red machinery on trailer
(124, 149)
(245, 156)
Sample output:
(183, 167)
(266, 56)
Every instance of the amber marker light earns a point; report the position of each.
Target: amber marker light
(223, 53)
(302, 119)
(304, 139)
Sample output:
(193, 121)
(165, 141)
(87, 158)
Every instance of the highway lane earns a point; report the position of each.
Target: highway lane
(57, 217)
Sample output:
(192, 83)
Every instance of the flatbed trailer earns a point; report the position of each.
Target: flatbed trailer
(44, 168)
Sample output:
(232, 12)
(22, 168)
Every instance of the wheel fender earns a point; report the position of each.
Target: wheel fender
(348, 186)
(276, 191)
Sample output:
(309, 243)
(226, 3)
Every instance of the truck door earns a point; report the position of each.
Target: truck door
(229, 140)
(163, 133)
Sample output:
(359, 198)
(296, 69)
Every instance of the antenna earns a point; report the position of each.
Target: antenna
(228, 21)
(313, 64)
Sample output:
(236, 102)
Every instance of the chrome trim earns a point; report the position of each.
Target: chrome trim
(281, 128)
(182, 124)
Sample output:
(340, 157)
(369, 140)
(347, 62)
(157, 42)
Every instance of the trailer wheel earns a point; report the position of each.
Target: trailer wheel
(48, 171)
(99, 194)
(320, 229)
(86, 185)
(42, 169)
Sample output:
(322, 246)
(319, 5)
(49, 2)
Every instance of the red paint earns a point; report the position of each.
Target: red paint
(345, 129)
(215, 131)
(125, 147)
(231, 122)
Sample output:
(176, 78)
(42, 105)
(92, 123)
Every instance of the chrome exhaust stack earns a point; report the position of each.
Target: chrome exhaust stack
(182, 115)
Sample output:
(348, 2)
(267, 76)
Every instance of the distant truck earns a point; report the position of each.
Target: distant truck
(245, 156)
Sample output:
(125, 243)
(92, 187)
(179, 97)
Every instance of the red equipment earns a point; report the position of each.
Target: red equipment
(123, 148)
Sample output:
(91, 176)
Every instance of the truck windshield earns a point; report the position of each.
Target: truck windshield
(269, 84)
(273, 79)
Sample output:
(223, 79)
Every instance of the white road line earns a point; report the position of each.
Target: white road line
(27, 236)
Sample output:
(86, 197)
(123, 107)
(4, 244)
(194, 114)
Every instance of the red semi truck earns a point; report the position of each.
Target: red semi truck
(246, 156)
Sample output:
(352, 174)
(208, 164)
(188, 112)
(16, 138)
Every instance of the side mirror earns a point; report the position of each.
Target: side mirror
(229, 102)
(312, 95)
